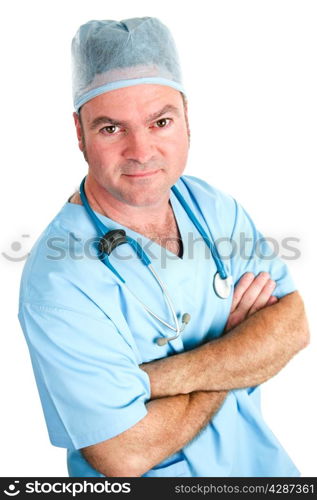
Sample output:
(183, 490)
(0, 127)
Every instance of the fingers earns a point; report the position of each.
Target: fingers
(272, 300)
(242, 286)
(251, 295)
(263, 297)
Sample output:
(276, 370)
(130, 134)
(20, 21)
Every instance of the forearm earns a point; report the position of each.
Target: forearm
(248, 355)
(169, 425)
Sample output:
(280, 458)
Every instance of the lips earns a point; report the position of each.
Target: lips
(142, 174)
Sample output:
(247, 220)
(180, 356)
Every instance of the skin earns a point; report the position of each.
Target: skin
(132, 167)
(242, 358)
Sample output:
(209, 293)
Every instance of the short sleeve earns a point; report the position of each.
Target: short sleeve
(89, 381)
(252, 252)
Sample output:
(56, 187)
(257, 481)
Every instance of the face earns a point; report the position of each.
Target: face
(135, 141)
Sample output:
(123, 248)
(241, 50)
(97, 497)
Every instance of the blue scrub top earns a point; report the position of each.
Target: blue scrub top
(87, 334)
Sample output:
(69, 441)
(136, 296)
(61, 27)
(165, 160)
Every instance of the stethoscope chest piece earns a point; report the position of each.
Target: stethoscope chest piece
(222, 286)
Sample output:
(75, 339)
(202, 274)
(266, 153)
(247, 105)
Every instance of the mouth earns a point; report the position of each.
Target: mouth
(142, 174)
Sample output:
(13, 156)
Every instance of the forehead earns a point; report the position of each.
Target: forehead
(133, 102)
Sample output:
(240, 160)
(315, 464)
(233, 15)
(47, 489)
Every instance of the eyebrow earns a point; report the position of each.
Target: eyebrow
(100, 120)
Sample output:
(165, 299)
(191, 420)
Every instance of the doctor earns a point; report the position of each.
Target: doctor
(153, 369)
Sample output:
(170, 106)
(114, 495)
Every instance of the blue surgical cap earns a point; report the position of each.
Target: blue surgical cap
(109, 55)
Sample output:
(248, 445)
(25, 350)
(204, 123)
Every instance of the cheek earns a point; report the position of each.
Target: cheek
(178, 148)
(101, 155)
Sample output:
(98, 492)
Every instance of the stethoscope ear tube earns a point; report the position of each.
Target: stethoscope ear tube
(101, 228)
(210, 244)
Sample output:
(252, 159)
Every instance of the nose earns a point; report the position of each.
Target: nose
(139, 147)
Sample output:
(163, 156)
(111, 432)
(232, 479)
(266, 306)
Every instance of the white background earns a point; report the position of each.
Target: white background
(249, 68)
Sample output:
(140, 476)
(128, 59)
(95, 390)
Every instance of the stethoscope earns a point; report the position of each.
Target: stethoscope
(110, 239)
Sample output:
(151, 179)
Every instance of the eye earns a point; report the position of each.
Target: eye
(110, 129)
(163, 122)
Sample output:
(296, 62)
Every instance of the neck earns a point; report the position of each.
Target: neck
(104, 203)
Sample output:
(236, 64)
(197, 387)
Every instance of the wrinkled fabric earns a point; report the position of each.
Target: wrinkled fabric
(87, 334)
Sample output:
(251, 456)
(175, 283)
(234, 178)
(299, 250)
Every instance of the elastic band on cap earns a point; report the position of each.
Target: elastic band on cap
(125, 83)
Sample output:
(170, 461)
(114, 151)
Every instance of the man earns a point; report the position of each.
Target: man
(119, 391)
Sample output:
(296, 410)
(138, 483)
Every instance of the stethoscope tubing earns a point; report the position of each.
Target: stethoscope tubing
(104, 257)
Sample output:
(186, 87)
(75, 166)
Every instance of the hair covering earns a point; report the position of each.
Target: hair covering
(107, 55)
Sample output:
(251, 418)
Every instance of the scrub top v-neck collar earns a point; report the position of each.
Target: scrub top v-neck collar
(145, 241)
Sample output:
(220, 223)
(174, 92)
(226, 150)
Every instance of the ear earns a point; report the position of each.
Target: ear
(79, 132)
(186, 118)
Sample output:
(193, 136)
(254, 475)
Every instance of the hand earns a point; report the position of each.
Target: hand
(250, 295)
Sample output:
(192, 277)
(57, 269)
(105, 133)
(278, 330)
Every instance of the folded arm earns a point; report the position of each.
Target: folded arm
(173, 421)
(169, 425)
(249, 354)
